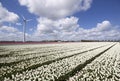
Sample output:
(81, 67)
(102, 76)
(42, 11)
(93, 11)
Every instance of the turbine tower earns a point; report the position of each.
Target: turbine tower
(24, 27)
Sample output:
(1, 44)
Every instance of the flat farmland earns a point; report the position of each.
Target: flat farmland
(85, 61)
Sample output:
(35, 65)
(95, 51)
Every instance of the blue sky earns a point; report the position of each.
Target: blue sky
(68, 20)
(100, 10)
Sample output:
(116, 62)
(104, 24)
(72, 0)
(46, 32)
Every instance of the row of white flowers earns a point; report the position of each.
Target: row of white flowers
(104, 68)
(21, 54)
(22, 49)
(56, 69)
(72, 49)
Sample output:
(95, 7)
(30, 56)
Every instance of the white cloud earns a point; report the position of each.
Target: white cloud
(105, 25)
(19, 24)
(69, 29)
(6, 16)
(55, 9)
(63, 29)
(10, 34)
(56, 28)
(8, 29)
(104, 30)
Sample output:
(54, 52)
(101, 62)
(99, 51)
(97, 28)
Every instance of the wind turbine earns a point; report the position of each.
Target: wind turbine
(24, 27)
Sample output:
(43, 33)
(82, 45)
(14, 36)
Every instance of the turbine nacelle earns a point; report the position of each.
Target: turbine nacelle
(25, 20)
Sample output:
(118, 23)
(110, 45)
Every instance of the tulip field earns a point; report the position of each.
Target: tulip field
(74, 61)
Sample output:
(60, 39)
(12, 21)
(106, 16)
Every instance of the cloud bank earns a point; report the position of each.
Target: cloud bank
(63, 29)
(69, 29)
(55, 9)
(8, 33)
(6, 16)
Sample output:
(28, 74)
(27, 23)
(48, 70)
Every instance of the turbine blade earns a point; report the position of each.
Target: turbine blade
(23, 17)
(29, 20)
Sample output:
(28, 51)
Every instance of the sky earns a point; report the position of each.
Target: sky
(60, 20)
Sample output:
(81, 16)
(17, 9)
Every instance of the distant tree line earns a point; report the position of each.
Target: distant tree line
(61, 41)
(100, 40)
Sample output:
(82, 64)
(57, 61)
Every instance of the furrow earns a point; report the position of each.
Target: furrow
(46, 63)
(81, 66)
